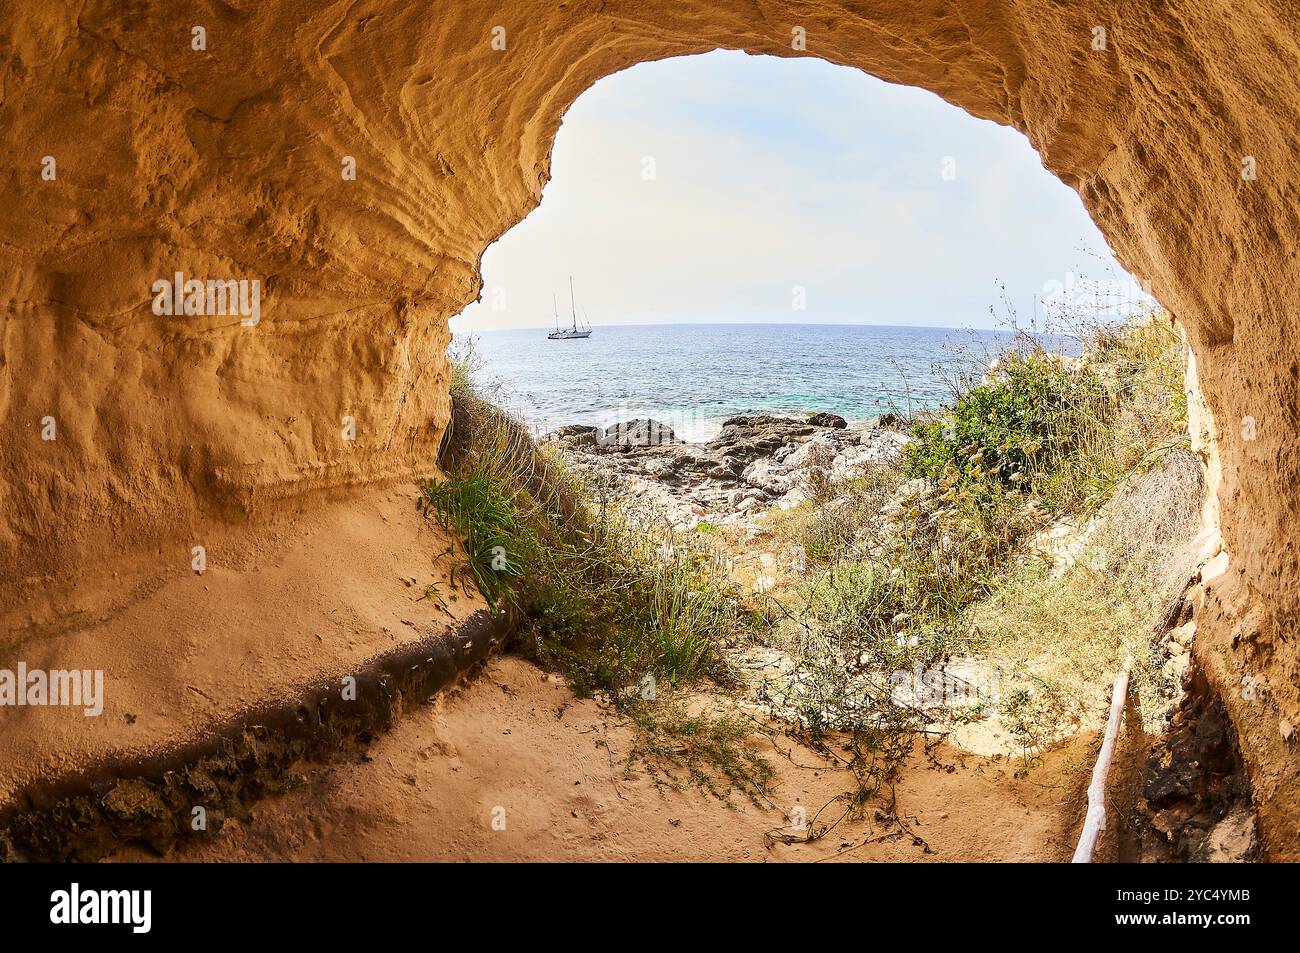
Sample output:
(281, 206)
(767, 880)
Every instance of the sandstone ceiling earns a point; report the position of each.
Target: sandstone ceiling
(227, 162)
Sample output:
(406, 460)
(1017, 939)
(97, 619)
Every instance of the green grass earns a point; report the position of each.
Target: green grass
(604, 601)
(631, 603)
(713, 752)
(614, 605)
(498, 542)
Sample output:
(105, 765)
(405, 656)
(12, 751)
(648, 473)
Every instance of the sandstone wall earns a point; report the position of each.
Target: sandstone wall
(226, 163)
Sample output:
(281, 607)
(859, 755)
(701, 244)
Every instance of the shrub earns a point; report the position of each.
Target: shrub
(1064, 432)
(1031, 415)
(928, 560)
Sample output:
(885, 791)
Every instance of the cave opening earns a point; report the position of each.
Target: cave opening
(726, 189)
(755, 271)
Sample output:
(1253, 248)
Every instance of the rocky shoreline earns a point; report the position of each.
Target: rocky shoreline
(755, 463)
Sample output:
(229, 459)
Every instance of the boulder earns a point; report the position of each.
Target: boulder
(660, 469)
(852, 463)
(885, 444)
(834, 421)
(748, 438)
(817, 452)
(575, 435)
(876, 446)
(769, 477)
(638, 433)
(795, 497)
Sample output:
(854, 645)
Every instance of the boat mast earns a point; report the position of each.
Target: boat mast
(573, 304)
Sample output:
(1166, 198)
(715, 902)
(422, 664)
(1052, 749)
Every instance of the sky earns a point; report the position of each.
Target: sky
(735, 188)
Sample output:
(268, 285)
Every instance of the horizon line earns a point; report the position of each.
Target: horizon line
(784, 324)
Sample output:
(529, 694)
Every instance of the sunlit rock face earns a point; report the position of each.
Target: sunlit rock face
(226, 154)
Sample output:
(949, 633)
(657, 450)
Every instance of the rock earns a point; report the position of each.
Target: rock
(660, 469)
(755, 461)
(876, 446)
(816, 452)
(889, 420)
(682, 459)
(1210, 545)
(743, 497)
(577, 435)
(886, 443)
(828, 420)
(1215, 568)
(1176, 667)
(1233, 839)
(718, 468)
(795, 497)
(1184, 634)
(852, 463)
(769, 477)
(748, 438)
(638, 433)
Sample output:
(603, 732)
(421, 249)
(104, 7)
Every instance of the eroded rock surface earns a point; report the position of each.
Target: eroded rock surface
(754, 463)
(1196, 799)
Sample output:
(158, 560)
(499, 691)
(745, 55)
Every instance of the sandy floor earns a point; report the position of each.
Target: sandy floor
(515, 747)
(274, 612)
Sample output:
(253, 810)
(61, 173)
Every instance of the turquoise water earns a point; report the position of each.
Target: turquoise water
(694, 376)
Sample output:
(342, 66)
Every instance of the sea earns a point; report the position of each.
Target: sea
(694, 376)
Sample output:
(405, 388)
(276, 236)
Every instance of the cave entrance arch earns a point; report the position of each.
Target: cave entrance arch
(1169, 123)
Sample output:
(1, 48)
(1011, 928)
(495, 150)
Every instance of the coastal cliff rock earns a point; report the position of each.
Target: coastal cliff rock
(754, 463)
(357, 159)
(637, 433)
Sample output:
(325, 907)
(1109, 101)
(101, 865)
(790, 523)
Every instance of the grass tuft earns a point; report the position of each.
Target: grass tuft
(621, 609)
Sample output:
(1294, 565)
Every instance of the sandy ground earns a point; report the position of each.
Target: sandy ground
(333, 587)
(514, 746)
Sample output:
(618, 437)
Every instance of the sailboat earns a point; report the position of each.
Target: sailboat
(569, 334)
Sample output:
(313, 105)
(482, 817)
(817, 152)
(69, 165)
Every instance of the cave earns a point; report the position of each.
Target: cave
(359, 165)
